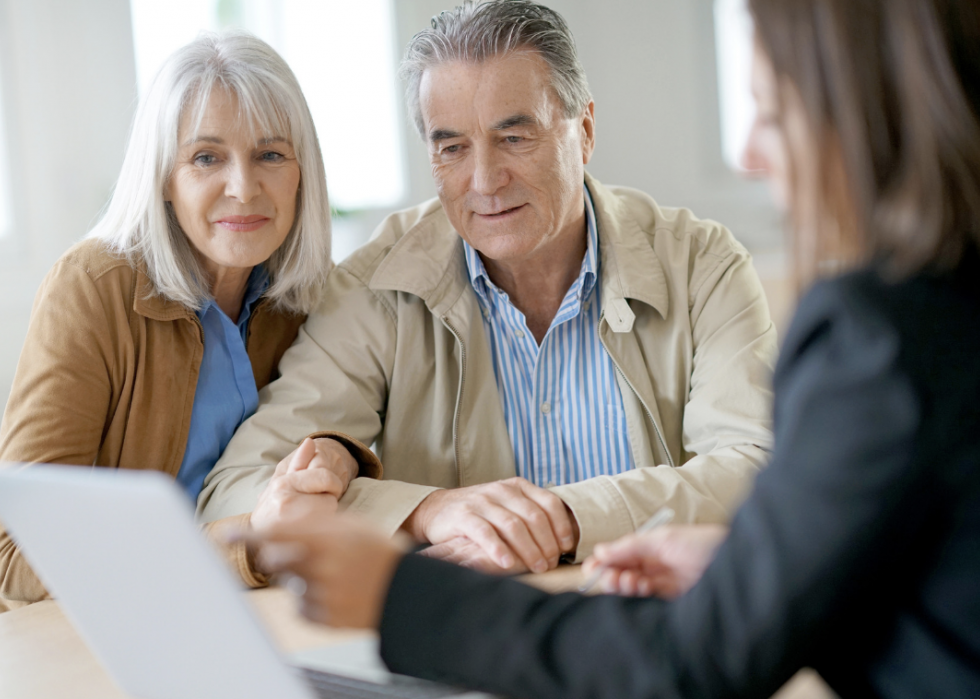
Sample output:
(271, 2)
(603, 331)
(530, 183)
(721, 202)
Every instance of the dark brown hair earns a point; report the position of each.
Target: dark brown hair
(891, 93)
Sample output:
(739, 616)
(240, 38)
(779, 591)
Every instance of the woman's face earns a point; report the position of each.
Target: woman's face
(233, 188)
(779, 142)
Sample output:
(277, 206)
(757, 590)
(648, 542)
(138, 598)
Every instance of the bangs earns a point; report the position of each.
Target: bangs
(260, 110)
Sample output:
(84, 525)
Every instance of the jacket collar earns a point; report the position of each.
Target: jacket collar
(428, 261)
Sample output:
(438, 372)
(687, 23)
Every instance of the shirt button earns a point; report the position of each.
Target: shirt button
(486, 313)
(519, 334)
(549, 484)
(585, 306)
(546, 408)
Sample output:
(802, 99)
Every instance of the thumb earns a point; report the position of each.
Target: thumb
(303, 455)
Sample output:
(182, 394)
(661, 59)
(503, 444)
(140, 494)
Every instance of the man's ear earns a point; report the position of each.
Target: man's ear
(588, 132)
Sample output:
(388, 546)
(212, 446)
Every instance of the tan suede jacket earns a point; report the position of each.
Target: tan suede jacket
(684, 319)
(107, 378)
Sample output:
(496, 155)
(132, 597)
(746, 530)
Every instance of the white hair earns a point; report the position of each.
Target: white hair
(138, 223)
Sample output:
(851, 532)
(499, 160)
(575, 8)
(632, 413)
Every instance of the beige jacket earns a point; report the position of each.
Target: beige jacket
(397, 355)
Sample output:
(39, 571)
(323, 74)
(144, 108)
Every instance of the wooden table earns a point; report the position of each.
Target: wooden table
(42, 657)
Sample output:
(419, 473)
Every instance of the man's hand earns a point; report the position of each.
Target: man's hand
(346, 564)
(464, 552)
(514, 526)
(666, 562)
(316, 474)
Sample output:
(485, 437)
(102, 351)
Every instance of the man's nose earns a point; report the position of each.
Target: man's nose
(489, 173)
(242, 183)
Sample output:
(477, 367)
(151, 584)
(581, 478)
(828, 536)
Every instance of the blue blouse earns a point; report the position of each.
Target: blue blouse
(226, 395)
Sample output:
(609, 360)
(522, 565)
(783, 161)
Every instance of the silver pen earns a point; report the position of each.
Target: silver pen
(661, 517)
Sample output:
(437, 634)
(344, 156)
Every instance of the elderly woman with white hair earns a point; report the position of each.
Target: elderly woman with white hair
(150, 340)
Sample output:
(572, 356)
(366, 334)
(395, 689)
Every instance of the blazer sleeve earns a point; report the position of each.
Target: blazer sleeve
(726, 427)
(822, 539)
(60, 397)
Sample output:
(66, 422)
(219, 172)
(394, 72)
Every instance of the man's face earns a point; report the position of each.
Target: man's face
(507, 164)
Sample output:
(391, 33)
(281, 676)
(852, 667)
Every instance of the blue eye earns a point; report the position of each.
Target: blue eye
(272, 157)
(514, 139)
(204, 159)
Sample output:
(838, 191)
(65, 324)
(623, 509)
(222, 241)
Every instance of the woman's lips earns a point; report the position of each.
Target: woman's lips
(242, 224)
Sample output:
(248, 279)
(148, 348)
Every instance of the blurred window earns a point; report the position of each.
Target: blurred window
(343, 54)
(733, 43)
(6, 204)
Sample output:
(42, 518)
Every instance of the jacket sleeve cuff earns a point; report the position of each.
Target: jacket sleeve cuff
(600, 511)
(386, 503)
(369, 466)
(236, 552)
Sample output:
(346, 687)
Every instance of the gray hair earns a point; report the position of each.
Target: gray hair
(476, 33)
(138, 223)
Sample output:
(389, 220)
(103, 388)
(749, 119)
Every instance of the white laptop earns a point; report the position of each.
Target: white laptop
(120, 551)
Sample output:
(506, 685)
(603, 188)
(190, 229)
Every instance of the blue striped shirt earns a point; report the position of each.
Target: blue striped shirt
(562, 404)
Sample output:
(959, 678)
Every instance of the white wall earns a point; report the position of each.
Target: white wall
(69, 83)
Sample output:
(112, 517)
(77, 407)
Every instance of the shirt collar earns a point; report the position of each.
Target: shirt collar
(590, 263)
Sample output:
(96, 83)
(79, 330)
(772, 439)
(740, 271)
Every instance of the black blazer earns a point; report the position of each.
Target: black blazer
(857, 553)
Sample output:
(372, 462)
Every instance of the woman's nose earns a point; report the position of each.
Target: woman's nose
(753, 158)
(243, 182)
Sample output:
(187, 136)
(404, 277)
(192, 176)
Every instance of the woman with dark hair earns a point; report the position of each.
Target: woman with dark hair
(858, 552)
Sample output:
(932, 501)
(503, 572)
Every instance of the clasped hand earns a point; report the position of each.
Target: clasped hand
(510, 526)
(309, 480)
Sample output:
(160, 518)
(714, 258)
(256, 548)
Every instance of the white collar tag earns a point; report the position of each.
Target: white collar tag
(619, 315)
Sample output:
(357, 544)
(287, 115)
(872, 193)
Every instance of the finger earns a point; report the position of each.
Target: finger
(303, 455)
(333, 455)
(630, 551)
(558, 515)
(628, 580)
(445, 551)
(513, 530)
(485, 535)
(609, 581)
(538, 524)
(312, 481)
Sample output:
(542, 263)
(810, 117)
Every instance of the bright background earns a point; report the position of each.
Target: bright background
(663, 73)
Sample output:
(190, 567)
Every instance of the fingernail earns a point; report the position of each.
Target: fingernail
(567, 543)
(506, 561)
(540, 566)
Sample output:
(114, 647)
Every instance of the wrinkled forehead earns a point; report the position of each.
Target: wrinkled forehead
(487, 91)
(255, 110)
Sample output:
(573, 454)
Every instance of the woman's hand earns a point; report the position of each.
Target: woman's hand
(311, 479)
(666, 562)
(345, 563)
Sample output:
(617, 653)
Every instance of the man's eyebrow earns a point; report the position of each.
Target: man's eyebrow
(514, 121)
(443, 135)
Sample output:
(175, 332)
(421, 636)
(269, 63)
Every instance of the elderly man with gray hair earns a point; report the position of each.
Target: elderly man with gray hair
(541, 361)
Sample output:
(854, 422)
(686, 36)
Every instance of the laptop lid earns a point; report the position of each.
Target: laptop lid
(120, 551)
